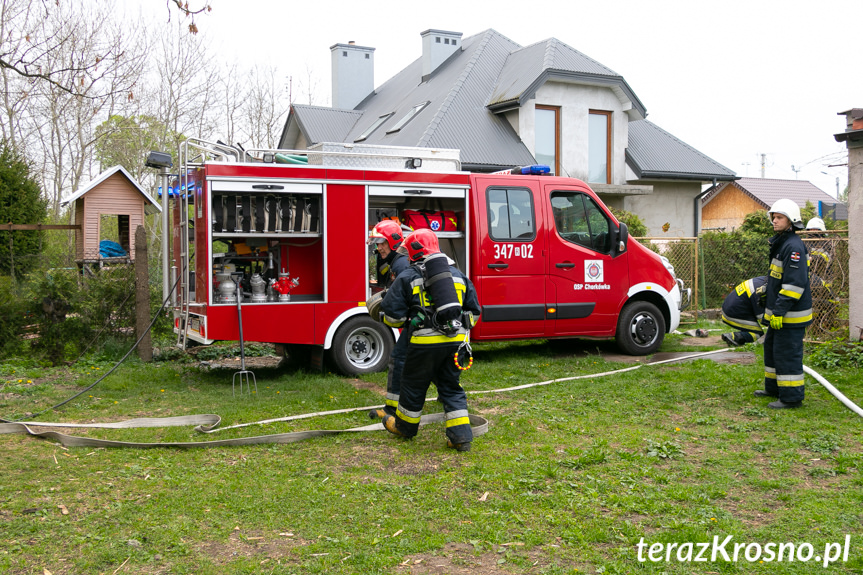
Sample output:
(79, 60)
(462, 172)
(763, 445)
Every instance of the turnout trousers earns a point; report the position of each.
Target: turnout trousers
(783, 363)
(426, 364)
(394, 372)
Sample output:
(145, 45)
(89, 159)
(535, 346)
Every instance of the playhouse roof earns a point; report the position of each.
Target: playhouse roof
(150, 207)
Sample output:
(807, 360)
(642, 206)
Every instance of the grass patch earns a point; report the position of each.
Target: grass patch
(569, 478)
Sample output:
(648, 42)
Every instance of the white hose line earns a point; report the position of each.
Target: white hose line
(209, 423)
(836, 393)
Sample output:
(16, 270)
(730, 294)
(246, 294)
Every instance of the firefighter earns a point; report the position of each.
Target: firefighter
(387, 236)
(438, 305)
(788, 309)
(743, 309)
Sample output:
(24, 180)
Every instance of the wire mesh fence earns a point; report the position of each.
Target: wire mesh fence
(714, 263)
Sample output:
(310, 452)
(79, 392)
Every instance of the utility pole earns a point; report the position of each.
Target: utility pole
(763, 164)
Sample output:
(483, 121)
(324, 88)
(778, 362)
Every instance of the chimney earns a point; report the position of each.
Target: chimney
(353, 74)
(438, 45)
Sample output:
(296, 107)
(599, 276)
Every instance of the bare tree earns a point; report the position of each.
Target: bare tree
(264, 108)
(31, 38)
(63, 65)
(182, 86)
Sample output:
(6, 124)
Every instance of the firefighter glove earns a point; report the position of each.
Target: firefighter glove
(776, 322)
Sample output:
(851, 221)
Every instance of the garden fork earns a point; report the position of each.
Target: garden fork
(244, 376)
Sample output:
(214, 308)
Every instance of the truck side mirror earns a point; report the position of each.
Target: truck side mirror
(622, 238)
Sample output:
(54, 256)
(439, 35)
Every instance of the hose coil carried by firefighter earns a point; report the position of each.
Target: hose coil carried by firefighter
(373, 305)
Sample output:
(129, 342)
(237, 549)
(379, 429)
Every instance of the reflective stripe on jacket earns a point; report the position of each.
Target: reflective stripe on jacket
(788, 292)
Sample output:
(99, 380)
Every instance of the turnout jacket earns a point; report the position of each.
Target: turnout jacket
(788, 292)
(407, 297)
(743, 308)
(390, 267)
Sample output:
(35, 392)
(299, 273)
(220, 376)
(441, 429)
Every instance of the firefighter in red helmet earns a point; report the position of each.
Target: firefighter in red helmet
(437, 305)
(387, 236)
(390, 261)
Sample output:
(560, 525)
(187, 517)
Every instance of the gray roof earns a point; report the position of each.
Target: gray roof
(489, 74)
(653, 153)
(528, 68)
(328, 124)
(766, 191)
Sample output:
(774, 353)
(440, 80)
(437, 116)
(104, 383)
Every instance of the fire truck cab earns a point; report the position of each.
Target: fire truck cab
(282, 236)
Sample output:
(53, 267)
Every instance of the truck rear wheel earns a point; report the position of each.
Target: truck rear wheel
(640, 328)
(361, 345)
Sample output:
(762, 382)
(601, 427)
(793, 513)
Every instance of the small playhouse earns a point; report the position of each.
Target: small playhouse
(114, 193)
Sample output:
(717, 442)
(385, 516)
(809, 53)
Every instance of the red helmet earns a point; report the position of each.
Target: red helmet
(421, 243)
(389, 231)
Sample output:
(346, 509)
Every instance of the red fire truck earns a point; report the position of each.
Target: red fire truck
(547, 257)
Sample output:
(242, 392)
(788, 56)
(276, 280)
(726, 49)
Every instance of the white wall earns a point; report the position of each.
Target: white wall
(671, 202)
(575, 102)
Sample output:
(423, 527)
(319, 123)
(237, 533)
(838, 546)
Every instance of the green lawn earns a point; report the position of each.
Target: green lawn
(571, 477)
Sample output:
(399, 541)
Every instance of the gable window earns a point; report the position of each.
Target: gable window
(375, 125)
(510, 214)
(599, 147)
(579, 220)
(547, 144)
(407, 117)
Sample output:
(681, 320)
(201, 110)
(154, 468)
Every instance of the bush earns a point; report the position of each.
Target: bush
(633, 222)
(729, 258)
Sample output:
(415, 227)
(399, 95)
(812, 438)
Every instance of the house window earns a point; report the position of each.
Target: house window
(510, 214)
(377, 124)
(599, 147)
(407, 118)
(548, 137)
(579, 220)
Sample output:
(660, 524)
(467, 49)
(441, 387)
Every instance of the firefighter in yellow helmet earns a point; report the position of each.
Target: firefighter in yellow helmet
(438, 306)
(788, 308)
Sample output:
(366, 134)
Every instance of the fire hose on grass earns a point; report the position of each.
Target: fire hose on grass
(209, 423)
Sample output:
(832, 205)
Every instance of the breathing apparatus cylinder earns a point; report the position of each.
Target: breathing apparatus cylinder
(438, 282)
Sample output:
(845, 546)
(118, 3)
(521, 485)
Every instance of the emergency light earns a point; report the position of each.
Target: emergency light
(533, 170)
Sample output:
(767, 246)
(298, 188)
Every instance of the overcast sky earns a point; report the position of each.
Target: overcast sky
(734, 79)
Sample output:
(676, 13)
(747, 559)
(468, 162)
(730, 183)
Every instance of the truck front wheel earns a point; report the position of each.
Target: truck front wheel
(640, 328)
(361, 345)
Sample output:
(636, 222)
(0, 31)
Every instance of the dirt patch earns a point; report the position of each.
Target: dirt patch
(359, 384)
(251, 363)
(463, 559)
(270, 548)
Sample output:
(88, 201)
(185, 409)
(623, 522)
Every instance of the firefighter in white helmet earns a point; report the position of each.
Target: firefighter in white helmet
(788, 308)
(437, 305)
(816, 224)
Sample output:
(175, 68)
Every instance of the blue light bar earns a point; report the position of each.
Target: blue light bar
(535, 169)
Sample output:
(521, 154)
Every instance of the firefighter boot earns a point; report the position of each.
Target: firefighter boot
(377, 413)
(390, 424)
(763, 393)
(731, 340)
(458, 446)
(779, 404)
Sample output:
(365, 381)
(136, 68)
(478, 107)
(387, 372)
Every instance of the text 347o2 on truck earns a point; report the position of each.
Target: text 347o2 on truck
(547, 257)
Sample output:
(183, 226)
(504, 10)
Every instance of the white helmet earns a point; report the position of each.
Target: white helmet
(789, 209)
(816, 224)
